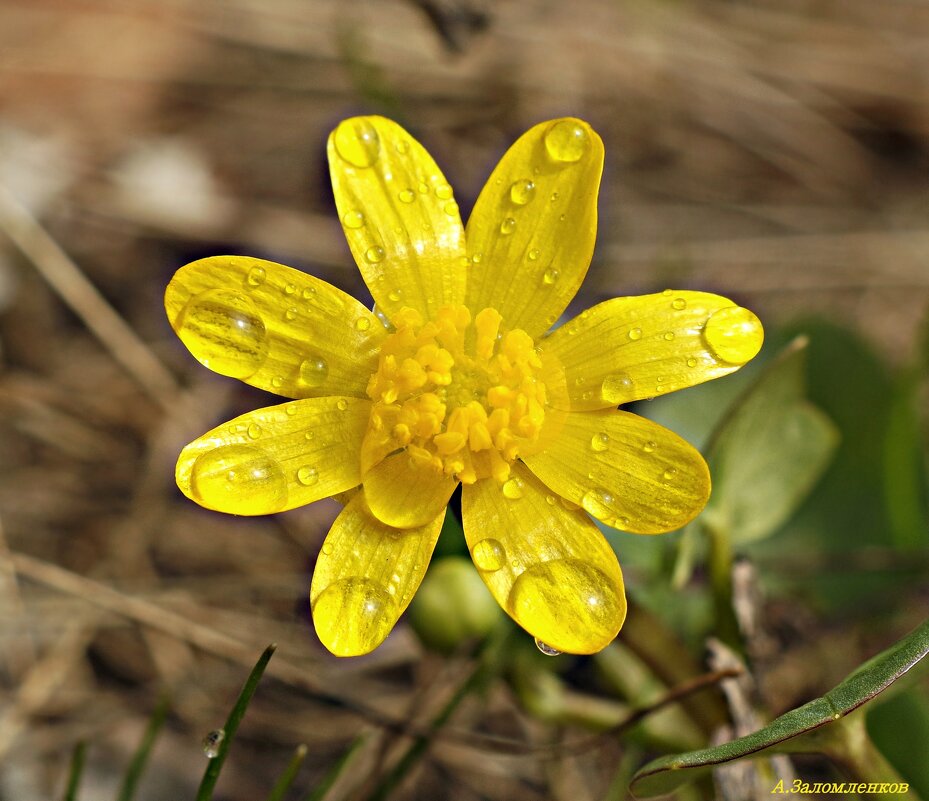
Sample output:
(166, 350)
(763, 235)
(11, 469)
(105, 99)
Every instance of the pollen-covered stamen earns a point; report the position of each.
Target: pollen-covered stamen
(462, 397)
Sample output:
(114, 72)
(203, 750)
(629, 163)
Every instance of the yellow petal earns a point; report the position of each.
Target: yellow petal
(627, 349)
(274, 327)
(399, 216)
(532, 231)
(624, 470)
(548, 566)
(365, 577)
(276, 458)
(406, 494)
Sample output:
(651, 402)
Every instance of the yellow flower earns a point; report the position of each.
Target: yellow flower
(463, 386)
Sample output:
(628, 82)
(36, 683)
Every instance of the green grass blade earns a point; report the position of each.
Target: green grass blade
(211, 775)
(318, 793)
(140, 758)
(74, 773)
(288, 776)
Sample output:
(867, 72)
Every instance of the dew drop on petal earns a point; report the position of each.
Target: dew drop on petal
(291, 314)
(489, 554)
(734, 335)
(598, 503)
(476, 258)
(313, 372)
(567, 141)
(521, 192)
(567, 603)
(513, 489)
(679, 304)
(253, 431)
(256, 276)
(508, 226)
(374, 254)
(224, 331)
(450, 208)
(649, 447)
(549, 277)
(600, 442)
(691, 362)
(357, 142)
(353, 616)
(534, 254)
(546, 649)
(617, 388)
(307, 475)
(667, 292)
(308, 292)
(669, 335)
(635, 334)
(407, 196)
(403, 147)
(423, 187)
(443, 192)
(341, 404)
(362, 324)
(238, 479)
(395, 295)
(289, 289)
(212, 742)
(669, 474)
(353, 219)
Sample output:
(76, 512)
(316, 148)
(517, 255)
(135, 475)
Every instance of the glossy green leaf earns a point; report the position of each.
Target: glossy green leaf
(769, 452)
(784, 734)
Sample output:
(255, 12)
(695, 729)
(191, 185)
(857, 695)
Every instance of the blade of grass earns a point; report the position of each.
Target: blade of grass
(140, 758)
(288, 776)
(211, 775)
(75, 771)
(319, 792)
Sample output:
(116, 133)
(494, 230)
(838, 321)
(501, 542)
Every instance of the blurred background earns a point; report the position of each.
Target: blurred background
(774, 151)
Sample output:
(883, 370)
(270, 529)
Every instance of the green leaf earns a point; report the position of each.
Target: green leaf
(78, 757)
(288, 776)
(210, 776)
(319, 792)
(769, 452)
(784, 734)
(140, 758)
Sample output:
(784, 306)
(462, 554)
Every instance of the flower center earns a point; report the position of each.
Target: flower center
(457, 395)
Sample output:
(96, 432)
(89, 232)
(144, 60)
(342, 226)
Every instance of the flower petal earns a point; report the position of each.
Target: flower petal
(366, 574)
(549, 567)
(274, 327)
(276, 458)
(405, 494)
(532, 231)
(624, 470)
(399, 216)
(626, 349)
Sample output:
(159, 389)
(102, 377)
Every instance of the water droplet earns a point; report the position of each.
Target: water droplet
(212, 742)
(407, 196)
(598, 503)
(423, 187)
(546, 649)
(353, 616)
(549, 276)
(550, 598)
(309, 436)
(550, 500)
(403, 147)
(395, 295)
(476, 258)
(669, 335)
(362, 324)
(600, 442)
(238, 479)
(734, 335)
(691, 362)
(341, 404)
(307, 475)
(567, 141)
(290, 408)
(489, 555)
(623, 522)
(308, 292)
(327, 548)
(225, 332)
(256, 276)
(670, 473)
(357, 142)
(443, 191)
(353, 219)
(291, 313)
(534, 254)
(450, 208)
(554, 197)
(253, 431)
(635, 334)
(277, 382)
(513, 489)
(313, 372)
(679, 303)
(649, 447)
(667, 292)
(521, 192)
(617, 388)
(374, 254)
(508, 226)
(289, 289)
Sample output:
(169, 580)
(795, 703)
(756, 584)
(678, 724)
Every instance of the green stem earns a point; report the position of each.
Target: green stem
(74, 773)
(720, 564)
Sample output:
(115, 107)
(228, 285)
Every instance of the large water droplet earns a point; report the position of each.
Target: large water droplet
(362, 324)
(546, 649)
(521, 192)
(443, 192)
(508, 226)
(212, 742)
(353, 219)
(407, 196)
(649, 447)
(353, 616)
(734, 335)
(513, 489)
(567, 141)
(291, 314)
(253, 431)
(679, 303)
(374, 254)
(225, 332)
(238, 479)
(549, 277)
(307, 475)
(357, 142)
(313, 372)
(489, 555)
(568, 604)
(599, 503)
(617, 388)
(256, 276)
(635, 334)
(600, 442)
